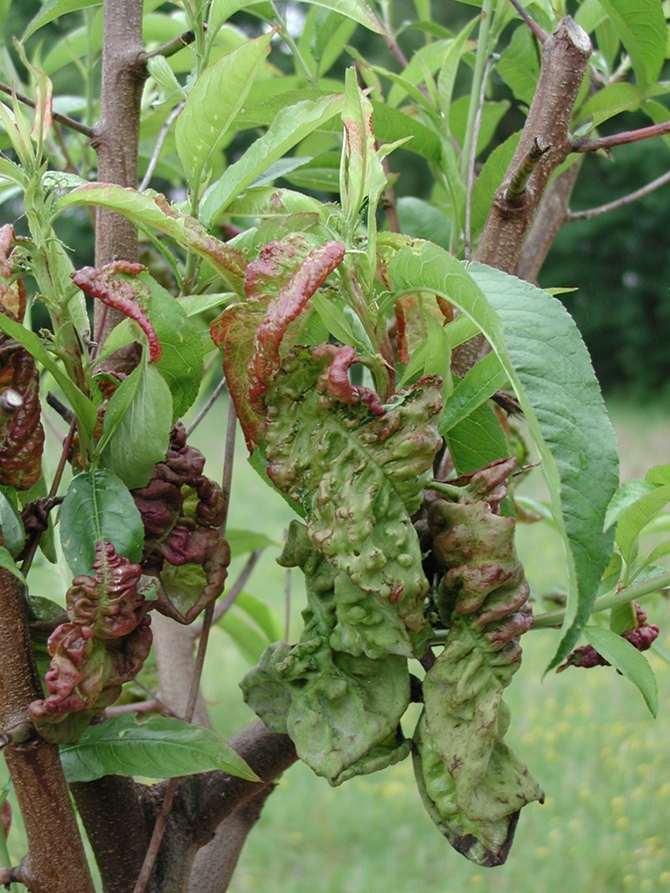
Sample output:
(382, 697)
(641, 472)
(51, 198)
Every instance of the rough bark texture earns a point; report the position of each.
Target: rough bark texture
(551, 215)
(56, 862)
(116, 138)
(565, 57)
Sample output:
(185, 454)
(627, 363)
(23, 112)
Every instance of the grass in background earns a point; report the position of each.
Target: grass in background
(586, 735)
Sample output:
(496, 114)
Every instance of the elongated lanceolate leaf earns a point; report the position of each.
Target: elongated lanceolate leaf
(212, 104)
(155, 212)
(628, 660)
(163, 747)
(643, 32)
(478, 385)
(542, 353)
(98, 506)
(290, 126)
(358, 473)
(358, 10)
(53, 9)
(136, 430)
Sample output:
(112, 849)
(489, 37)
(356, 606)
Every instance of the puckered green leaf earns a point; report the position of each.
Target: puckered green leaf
(476, 794)
(548, 366)
(359, 475)
(163, 747)
(342, 711)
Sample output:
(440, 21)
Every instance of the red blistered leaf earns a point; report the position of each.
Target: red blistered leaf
(22, 435)
(337, 378)
(120, 294)
(6, 818)
(233, 332)
(409, 314)
(284, 308)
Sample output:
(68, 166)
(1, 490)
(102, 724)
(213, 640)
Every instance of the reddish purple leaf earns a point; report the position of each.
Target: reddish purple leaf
(338, 378)
(126, 296)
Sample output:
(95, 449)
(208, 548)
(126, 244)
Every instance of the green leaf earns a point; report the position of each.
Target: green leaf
(249, 641)
(262, 615)
(83, 407)
(182, 354)
(8, 563)
(643, 32)
(628, 660)
(212, 104)
(136, 430)
(480, 384)
(423, 221)
(242, 542)
(163, 747)
(98, 506)
(192, 305)
(548, 367)
(519, 67)
(318, 446)
(290, 126)
(153, 212)
(357, 10)
(449, 68)
(13, 531)
(476, 440)
(636, 517)
(391, 125)
(626, 495)
(346, 327)
(53, 9)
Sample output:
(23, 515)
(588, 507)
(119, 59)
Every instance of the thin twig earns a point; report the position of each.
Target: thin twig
(136, 707)
(539, 32)
(235, 590)
(620, 202)
(621, 139)
(170, 47)
(162, 136)
(467, 244)
(171, 790)
(62, 119)
(206, 408)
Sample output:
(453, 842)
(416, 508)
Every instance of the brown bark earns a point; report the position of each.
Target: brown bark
(56, 861)
(551, 215)
(565, 57)
(116, 139)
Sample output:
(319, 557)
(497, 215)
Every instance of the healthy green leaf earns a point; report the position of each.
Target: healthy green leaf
(636, 517)
(182, 354)
(627, 494)
(358, 10)
(242, 542)
(476, 440)
(480, 383)
(262, 615)
(423, 221)
(519, 67)
(163, 747)
(628, 660)
(643, 32)
(53, 9)
(290, 126)
(340, 324)
(98, 506)
(249, 641)
(136, 430)
(212, 104)
(548, 366)
(8, 563)
(154, 212)
(449, 68)
(11, 525)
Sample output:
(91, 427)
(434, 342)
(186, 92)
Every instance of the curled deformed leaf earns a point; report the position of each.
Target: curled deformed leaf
(359, 477)
(342, 711)
(102, 645)
(472, 783)
(278, 284)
